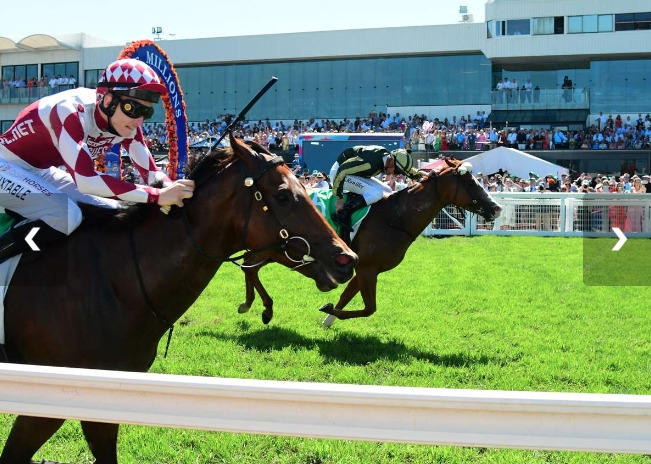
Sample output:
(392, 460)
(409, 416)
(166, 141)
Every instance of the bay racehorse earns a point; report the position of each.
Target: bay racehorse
(131, 276)
(390, 227)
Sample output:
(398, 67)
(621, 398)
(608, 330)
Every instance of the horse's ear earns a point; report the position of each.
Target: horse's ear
(242, 150)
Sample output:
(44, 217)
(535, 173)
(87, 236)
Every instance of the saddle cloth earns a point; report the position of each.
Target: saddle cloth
(325, 201)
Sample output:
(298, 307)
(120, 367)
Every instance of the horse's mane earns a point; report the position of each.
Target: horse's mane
(134, 213)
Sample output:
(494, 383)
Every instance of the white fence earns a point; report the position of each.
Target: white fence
(527, 420)
(553, 214)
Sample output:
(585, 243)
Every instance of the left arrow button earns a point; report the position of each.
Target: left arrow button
(30, 238)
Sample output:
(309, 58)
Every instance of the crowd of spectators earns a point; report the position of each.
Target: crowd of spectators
(35, 88)
(439, 135)
(516, 216)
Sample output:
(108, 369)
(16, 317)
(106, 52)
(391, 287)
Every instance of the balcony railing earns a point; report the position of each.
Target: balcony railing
(29, 94)
(541, 99)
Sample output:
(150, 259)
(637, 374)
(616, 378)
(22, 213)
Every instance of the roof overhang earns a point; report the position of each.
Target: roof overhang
(35, 42)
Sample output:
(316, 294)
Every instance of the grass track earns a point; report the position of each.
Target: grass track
(502, 313)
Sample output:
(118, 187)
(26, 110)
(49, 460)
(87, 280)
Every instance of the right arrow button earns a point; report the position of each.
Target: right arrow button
(622, 238)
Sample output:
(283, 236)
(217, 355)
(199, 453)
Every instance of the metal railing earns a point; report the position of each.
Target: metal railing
(553, 214)
(9, 94)
(540, 99)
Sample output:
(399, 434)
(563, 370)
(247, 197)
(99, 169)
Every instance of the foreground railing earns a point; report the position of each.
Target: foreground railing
(528, 420)
(553, 214)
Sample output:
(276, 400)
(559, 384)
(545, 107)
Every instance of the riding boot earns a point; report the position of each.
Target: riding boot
(12, 241)
(343, 217)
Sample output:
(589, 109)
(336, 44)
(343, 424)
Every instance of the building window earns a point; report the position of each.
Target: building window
(589, 24)
(91, 77)
(25, 72)
(57, 70)
(509, 27)
(518, 27)
(549, 25)
(633, 21)
(496, 28)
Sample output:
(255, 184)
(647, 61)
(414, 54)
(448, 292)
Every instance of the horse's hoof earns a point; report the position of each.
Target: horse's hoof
(328, 321)
(326, 308)
(243, 308)
(266, 319)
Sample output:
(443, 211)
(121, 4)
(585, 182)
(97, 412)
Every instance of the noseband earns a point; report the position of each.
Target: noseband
(285, 237)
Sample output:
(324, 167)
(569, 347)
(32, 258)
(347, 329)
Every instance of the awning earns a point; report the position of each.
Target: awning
(539, 117)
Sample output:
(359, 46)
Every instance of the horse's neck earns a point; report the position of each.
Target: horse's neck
(418, 209)
(180, 256)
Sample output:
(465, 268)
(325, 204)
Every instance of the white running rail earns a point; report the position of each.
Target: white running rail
(553, 214)
(527, 420)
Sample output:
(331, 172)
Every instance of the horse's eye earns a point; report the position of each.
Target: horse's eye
(283, 197)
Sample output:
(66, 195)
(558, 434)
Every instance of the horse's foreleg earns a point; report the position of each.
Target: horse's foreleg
(250, 293)
(366, 286)
(268, 303)
(27, 435)
(102, 440)
(253, 284)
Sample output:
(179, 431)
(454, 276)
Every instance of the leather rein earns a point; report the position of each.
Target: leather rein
(282, 244)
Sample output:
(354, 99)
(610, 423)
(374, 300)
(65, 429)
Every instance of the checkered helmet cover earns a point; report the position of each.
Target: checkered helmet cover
(129, 73)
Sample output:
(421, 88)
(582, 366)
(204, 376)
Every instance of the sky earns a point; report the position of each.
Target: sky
(122, 21)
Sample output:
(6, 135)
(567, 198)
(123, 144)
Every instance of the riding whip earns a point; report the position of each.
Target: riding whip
(240, 117)
(246, 109)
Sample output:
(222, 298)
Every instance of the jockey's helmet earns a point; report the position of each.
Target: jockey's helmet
(132, 78)
(403, 160)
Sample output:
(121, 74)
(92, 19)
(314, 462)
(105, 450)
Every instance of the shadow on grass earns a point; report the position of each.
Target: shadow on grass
(344, 348)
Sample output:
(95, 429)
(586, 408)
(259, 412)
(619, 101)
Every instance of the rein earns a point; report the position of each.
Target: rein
(143, 290)
(257, 195)
(251, 181)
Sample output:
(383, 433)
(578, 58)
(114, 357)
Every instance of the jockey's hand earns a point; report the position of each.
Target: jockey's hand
(176, 193)
(339, 204)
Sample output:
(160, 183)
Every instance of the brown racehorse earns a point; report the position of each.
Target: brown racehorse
(131, 277)
(386, 233)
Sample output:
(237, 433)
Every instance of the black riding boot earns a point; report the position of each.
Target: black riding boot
(343, 217)
(12, 242)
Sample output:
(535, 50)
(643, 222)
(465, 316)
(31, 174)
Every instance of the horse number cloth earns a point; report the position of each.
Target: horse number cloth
(325, 200)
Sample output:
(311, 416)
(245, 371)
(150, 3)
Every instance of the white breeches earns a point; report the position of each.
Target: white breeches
(48, 194)
(369, 187)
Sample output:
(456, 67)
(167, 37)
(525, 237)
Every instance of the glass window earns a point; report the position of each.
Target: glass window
(575, 24)
(334, 89)
(590, 23)
(495, 28)
(518, 27)
(542, 26)
(60, 69)
(23, 71)
(633, 21)
(90, 78)
(605, 23)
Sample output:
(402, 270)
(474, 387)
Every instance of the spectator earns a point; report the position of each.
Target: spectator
(635, 213)
(560, 140)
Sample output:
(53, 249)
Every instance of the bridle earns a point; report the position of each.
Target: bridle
(282, 244)
(285, 237)
(460, 170)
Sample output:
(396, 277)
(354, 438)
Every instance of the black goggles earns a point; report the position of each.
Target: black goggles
(134, 109)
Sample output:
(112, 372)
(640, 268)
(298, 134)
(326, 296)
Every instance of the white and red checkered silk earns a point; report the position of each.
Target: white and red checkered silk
(130, 71)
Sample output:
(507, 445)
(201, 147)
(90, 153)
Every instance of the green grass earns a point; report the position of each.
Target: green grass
(498, 313)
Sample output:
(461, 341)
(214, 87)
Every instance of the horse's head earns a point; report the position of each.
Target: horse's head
(280, 222)
(457, 186)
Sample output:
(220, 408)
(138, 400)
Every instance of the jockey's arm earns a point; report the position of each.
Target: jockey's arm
(81, 167)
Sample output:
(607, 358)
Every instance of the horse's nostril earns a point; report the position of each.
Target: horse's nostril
(342, 260)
